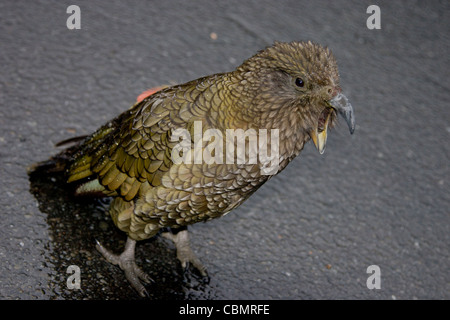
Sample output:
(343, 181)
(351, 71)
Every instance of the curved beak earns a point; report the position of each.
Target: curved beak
(341, 105)
(344, 108)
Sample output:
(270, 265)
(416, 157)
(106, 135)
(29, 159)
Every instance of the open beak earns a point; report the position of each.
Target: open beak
(341, 105)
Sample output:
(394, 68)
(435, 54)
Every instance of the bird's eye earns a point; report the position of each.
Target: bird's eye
(299, 82)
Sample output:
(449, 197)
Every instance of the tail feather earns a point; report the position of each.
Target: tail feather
(59, 162)
(73, 140)
(92, 146)
(63, 163)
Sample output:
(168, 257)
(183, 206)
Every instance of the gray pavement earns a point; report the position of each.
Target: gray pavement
(379, 197)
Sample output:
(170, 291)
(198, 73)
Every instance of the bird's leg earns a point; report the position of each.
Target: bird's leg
(127, 263)
(180, 238)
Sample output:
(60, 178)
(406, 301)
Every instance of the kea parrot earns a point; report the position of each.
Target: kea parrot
(290, 87)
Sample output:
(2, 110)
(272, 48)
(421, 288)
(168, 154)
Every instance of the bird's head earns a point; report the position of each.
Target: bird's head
(298, 80)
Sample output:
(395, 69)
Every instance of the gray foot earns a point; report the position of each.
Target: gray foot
(126, 262)
(184, 251)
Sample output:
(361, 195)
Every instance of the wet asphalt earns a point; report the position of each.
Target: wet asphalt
(379, 197)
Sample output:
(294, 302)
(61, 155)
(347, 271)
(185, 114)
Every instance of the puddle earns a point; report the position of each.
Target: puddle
(74, 225)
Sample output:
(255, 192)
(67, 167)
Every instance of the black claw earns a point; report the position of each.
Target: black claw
(98, 245)
(205, 278)
(146, 278)
(144, 293)
(205, 274)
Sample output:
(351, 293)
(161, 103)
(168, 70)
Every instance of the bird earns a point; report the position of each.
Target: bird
(288, 89)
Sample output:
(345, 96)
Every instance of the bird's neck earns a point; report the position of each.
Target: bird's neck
(242, 110)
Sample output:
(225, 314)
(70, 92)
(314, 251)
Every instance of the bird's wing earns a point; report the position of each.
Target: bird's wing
(133, 148)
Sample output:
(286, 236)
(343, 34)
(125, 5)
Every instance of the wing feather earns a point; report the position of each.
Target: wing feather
(121, 154)
(135, 147)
